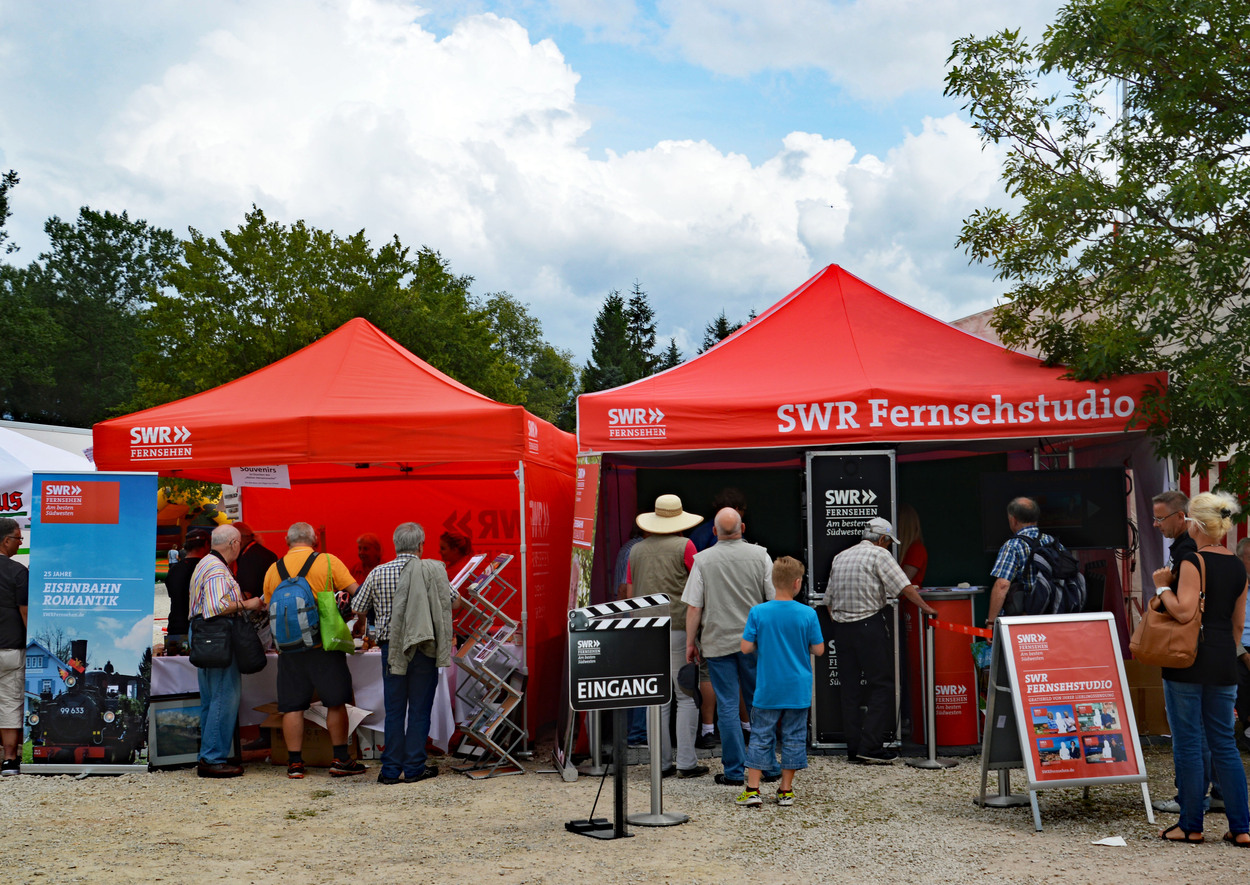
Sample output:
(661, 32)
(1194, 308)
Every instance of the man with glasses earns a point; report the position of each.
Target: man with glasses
(1170, 508)
(14, 598)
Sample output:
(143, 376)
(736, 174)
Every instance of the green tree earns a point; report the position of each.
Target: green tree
(1127, 244)
(72, 317)
(640, 333)
(8, 181)
(98, 277)
(548, 378)
(717, 331)
(551, 387)
(670, 357)
(266, 289)
(611, 363)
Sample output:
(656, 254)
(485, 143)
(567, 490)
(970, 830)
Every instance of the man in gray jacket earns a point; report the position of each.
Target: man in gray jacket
(407, 691)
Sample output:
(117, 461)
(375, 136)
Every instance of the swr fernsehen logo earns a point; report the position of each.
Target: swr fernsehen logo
(637, 423)
(159, 443)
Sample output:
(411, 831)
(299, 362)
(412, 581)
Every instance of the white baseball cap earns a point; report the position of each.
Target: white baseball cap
(881, 527)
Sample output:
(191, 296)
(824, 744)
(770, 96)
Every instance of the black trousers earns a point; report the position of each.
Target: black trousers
(865, 651)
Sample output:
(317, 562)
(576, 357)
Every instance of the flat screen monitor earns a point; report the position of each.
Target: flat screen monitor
(1085, 508)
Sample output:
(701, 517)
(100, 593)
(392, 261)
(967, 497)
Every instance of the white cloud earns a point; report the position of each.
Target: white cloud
(872, 48)
(352, 115)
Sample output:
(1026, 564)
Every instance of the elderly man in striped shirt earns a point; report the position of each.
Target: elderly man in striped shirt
(215, 592)
(409, 697)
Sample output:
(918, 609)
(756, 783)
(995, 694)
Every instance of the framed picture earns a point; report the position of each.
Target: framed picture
(174, 730)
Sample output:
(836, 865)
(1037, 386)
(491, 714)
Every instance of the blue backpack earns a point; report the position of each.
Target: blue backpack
(293, 610)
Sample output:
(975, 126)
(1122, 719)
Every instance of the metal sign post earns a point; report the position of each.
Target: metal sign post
(930, 698)
(619, 659)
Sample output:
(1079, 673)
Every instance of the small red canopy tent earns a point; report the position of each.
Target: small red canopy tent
(373, 436)
(837, 361)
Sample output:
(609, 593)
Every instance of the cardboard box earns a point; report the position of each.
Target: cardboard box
(317, 750)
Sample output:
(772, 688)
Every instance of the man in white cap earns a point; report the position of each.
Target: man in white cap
(862, 582)
(660, 563)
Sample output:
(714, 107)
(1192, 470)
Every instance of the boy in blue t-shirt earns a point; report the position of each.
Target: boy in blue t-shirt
(785, 634)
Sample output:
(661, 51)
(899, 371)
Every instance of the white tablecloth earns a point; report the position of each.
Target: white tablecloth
(175, 675)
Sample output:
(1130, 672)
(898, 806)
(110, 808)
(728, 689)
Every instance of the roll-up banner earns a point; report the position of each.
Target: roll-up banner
(844, 491)
(91, 601)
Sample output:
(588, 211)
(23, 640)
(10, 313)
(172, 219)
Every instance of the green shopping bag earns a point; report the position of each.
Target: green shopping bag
(334, 633)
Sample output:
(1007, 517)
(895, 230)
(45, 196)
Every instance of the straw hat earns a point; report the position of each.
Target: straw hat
(668, 517)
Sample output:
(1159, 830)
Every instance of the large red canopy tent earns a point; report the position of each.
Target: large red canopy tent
(838, 362)
(373, 436)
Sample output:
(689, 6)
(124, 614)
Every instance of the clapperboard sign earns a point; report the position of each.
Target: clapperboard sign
(617, 659)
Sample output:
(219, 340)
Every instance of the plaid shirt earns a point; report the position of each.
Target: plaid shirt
(378, 592)
(862, 581)
(1014, 555)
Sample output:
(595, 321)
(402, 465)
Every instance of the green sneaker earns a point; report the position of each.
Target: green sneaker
(785, 797)
(749, 799)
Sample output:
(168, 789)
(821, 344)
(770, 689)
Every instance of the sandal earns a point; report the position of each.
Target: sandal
(1188, 836)
(1232, 839)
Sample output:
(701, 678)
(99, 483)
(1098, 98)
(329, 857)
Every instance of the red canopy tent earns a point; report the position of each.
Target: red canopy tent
(373, 436)
(837, 361)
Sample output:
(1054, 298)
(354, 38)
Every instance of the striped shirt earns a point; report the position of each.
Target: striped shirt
(213, 588)
(378, 593)
(862, 581)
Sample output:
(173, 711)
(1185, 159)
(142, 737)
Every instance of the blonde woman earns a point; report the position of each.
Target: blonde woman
(912, 554)
(1200, 697)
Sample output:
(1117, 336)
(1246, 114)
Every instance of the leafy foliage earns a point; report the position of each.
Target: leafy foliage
(717, 331)
(265, 290)
(8, 181)
(72, 317)
(1127, 247)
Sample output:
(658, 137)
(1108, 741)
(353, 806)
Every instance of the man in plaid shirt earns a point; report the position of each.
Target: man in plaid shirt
(409, 698)
(1013, 557)
(862, 582)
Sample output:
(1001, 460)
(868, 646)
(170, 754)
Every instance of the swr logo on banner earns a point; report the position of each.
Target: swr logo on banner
(639, 423)
(92, 503)
(151, 443)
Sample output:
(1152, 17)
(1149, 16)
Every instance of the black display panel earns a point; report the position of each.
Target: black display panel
(1085, 508)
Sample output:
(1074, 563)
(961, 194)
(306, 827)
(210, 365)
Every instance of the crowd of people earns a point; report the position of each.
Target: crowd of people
(406, 603)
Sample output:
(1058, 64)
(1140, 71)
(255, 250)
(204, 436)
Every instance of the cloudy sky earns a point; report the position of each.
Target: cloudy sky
(719, 152)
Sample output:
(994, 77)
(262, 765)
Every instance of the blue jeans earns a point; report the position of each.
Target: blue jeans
(637, 733)
(762, 754)
(733, 675)
(220, 691)
(1194, 711)
(408, 700)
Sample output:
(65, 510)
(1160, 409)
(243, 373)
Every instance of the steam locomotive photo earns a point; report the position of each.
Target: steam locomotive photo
(98, 718)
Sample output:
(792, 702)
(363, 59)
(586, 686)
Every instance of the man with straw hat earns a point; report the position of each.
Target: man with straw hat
(660, 563)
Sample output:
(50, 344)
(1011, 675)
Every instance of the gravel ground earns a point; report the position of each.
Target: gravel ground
(850, 824)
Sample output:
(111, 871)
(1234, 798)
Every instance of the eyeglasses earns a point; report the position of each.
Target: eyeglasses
(13, 538)
(1159, 520)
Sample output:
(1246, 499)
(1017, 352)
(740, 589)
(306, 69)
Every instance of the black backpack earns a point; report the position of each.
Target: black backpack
(1058, 585)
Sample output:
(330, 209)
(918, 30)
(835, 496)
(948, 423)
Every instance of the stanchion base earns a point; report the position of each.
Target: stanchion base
(596, 827)
(932, 764)
(658, 819)
(1011, 800)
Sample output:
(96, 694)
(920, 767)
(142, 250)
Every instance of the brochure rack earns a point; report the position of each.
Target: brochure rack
(491, 683)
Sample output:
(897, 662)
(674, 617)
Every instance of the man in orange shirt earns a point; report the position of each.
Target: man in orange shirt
(300, 673)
